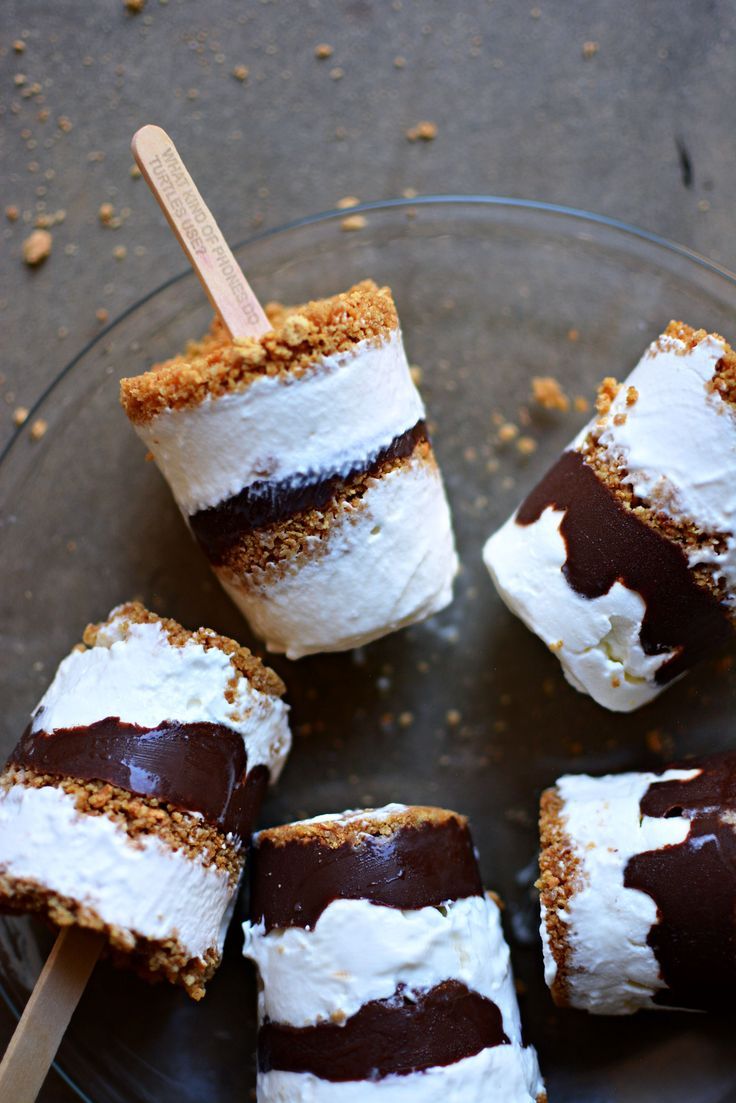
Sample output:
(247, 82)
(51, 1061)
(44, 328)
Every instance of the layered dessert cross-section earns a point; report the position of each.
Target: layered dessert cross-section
(623, 558)
(638, 889)
(384, 974)
(128, 804)
(302, 465)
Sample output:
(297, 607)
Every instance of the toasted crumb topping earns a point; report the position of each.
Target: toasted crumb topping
(560, 879)
(244, 662)
(301, 336)
(349, 827)
(547, 392)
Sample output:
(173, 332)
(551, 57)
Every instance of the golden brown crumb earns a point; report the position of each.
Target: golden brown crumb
(508, 432)
(19, 46)
(353, 222)
(135, 172)
(409, 193)
(573, 335)
(242, 659)
(39, 428)
(526, 445)
(619, 419)
(334, 833)
(64, 123)
(241, 72)
(559, 880)
(399, 62)
(120, 252)
(134, 6)
(347, 201)
(581, 404)
(424, 131)
(323, 50)
(101, 314)
(632, 396)
(607, 391)
(20, 415)
(453, 717)
(12, 213)
(590, 49)
(215, 365)
(548, 393)
(37, 247)
(105, 213)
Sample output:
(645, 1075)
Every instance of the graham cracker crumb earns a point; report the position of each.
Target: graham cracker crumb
(20, 415)
(248, 665)
(37, 247)
(632, 396)
(39, 428)
(353, 222)
(424, 131)
(105, 213)
(12, 213)
(581, 404)
(215, 366)
(241, 72)
(560, 878)
(351, 827)
(526, 445)
(547, 392)
(323, 50)
(347, 201)
(607, 391)
(590, 49)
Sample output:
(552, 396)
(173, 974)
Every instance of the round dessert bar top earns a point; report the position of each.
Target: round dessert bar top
(350, 827)
(301, 336)
(245, 664)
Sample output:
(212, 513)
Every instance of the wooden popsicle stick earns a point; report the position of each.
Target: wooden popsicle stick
(51, 1005)
(198, 234)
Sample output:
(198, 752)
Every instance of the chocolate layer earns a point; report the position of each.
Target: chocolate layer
(267, 503)
(414, 867)
(607, 544)
(197, 767)
(693, 885)
(409, 1032)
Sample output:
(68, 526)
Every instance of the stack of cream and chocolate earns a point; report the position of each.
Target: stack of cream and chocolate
(638, 887)
(383, 968)
(301, 462)
(128, 804)
(623, 558)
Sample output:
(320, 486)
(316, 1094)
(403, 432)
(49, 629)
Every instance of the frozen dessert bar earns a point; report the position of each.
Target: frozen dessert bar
(623, 558)
(638, 889)
(383, 967)
(128, 803)
(301, 462)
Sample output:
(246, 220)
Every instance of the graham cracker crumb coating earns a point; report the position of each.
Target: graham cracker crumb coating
(140, 817)
(341, 830)
(560, 879)
(724, 377)
(152, 959)
(244, 662)
(273, 548)
(301, 336)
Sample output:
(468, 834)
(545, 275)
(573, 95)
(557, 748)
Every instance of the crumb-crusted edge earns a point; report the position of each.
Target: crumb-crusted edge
(140, 818)
(560, 879)
(153, 960)
(724, 376)
(244, 662)
(271, 551)
(351, 826)
(301, 336)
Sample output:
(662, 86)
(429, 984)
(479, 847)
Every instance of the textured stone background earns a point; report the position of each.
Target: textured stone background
(641, 129)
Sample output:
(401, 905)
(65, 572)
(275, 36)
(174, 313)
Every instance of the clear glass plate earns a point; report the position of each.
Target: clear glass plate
(468, 710)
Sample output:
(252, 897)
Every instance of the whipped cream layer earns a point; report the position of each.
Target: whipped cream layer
(343, 409)
(387, 564)
(136, 674)
(145, 888)
(502, 1074)
(610, 968)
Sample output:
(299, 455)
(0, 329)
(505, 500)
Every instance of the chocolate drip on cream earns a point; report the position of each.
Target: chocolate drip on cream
(413, 867)
(409, 1032)
(199, 767)
(267, 503)
(608, 544)
(693, 885)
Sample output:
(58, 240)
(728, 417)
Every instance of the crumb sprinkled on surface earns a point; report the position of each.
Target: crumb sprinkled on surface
(323, 50)
(39, 428)
(547, 392)
(590, 49)
(37, 247)
(347, 201)
(353, 222)
(424, 131)
(20, 415)
(241, 72)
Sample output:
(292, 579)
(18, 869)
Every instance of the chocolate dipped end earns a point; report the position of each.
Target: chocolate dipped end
(410, 1031)
(404, 860)
(693, 885)
(198, 767)
(606, 544)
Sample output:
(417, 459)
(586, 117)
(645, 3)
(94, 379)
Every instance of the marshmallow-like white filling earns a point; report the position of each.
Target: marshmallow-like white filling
(387, 564)
(611, 970)
(503, 1073)
(135, 673)
(345, 408)
(597, 640)
(142, 886)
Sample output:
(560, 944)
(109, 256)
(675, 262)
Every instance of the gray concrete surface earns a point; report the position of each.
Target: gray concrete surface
(640, 129)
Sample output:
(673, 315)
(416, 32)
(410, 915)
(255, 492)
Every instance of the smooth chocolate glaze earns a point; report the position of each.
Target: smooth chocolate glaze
(199, 767)
(266, 502)
(414, 867)
(607, 544)
(409, 1032)
(693, 885)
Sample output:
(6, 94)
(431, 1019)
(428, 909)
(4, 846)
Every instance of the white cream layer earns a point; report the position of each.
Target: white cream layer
(143, 887)
(611, 969)
(359, 951)
(389, 563)
(678, 442)
(502, 1074)
(345, 408)
(596, 640)
(136, 674)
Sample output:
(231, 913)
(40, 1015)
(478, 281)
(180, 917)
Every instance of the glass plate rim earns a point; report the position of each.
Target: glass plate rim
(574, 214)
